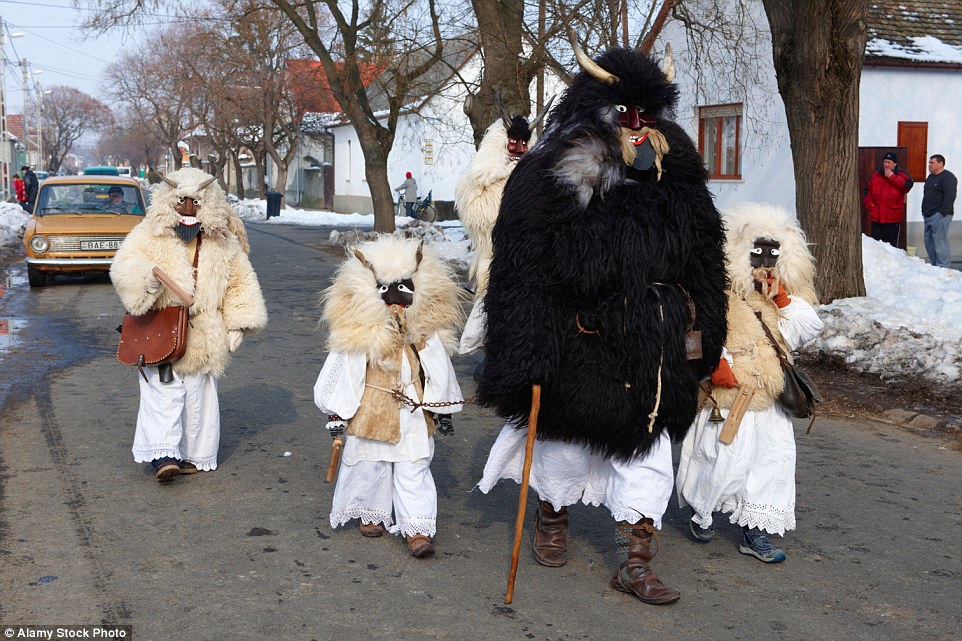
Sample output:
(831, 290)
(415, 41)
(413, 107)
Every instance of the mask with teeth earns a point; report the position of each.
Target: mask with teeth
(188, 225)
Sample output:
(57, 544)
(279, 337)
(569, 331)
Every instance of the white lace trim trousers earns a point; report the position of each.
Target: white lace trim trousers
(371, 490)
(180, 419)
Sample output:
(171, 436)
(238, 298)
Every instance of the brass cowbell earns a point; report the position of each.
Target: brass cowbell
(716, 415)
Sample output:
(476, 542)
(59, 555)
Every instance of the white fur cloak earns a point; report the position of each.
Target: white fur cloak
(227, 295)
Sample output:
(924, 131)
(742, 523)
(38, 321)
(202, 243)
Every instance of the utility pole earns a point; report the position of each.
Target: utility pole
(4, 154)
(39, 127)
(26, 130)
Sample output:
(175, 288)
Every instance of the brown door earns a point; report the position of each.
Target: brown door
(328, 187)
(914, 136)
(869, 160)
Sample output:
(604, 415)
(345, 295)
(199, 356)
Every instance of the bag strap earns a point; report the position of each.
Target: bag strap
(778, 349)
(196, 258)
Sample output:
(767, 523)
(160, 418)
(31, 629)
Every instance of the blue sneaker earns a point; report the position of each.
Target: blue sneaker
(702, 535)
(760, 547)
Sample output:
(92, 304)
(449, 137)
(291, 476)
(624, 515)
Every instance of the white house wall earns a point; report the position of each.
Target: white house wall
(891, 95)
(887, 96)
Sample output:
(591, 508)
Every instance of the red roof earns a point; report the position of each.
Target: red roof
(312, 92)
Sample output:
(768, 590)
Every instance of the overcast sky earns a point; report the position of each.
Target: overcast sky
(53, 43)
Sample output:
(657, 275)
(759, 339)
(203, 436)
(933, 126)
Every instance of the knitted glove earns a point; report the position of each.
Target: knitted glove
(723, 376)
(781, 298)
(336, 425)
(444, 424)
(235, 336)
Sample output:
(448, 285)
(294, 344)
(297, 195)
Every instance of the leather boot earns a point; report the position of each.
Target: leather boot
(420, 546)
(550, 543)
(635, 575)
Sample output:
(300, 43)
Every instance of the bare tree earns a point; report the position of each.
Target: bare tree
(154, 86)
(818, 47)
(335, 38)
(130, 140)
(68, 114)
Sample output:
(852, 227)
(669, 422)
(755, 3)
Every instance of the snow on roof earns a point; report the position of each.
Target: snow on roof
(922, 31)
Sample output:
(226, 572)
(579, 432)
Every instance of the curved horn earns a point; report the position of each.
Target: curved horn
(590, 66)
(207, 182)
(544, 110)
(168, 181)
(505, 116)
(364, 261)
(668, 64)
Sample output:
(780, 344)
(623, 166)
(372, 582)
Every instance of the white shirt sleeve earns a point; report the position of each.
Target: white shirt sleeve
(340, 385)
(798, 323)
(440, 381)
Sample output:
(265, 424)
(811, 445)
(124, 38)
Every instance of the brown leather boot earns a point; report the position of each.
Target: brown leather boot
(420, 546)
(550, 543)
(635, 575)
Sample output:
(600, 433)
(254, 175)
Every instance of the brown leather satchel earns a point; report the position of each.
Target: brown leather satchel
(155, 338)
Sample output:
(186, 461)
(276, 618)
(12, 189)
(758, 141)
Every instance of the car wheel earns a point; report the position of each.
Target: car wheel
(36, 277)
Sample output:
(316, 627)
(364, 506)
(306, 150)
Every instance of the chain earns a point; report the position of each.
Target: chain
(404, 399)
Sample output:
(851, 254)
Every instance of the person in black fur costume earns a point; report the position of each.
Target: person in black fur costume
(608, 254)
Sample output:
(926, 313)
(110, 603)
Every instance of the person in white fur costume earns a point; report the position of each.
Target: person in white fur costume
(771, 272)
(388, 384)
(477, 198)
(178, 424)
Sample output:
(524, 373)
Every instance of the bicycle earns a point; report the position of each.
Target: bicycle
(423, 208)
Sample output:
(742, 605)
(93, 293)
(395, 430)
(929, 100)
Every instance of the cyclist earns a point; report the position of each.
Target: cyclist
(410, 189)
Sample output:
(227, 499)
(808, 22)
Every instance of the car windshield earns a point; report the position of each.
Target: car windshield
(89, 198)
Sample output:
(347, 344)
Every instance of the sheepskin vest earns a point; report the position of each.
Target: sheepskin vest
(755, 360)
(227, 295)
(378, 416)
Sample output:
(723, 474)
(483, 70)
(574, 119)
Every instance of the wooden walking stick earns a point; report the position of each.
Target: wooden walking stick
(523, 499)
(336, 448)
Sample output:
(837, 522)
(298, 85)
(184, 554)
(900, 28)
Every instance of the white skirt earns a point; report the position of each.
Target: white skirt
(753, 479)
(563, 474)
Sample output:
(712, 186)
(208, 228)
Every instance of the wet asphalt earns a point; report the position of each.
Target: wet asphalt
(247, 551)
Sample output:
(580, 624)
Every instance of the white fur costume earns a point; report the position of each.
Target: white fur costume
(382, 472)
(753, 479)
(181, 419)
(477, 198)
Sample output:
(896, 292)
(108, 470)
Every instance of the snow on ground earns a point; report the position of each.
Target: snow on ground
(910, 321)
(13, 222)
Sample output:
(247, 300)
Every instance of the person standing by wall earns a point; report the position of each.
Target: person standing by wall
(31, 185)
(21, 191)
(938, 206)
(885, 199)
(410, 189)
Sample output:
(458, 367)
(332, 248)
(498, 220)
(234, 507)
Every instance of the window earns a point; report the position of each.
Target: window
(719, 140)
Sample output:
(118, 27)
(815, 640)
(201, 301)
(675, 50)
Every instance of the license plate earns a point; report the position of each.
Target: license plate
(96, 245)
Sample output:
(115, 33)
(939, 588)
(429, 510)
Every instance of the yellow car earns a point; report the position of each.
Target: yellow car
(78, 223)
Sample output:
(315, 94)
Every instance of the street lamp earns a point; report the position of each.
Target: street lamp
(5, 151)
(40, 94)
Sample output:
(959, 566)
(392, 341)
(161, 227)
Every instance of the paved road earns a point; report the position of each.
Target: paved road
(247, 552)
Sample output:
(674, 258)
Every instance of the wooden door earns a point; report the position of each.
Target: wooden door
(328, 173)
(870, 160)
(914, 136)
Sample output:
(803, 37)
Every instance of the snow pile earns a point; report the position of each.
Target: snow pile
(13, 223)
(909, 322)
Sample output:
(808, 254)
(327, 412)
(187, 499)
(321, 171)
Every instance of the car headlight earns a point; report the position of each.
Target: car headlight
(39, 244)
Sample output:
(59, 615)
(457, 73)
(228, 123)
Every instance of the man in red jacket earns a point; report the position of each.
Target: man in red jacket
(885, 199)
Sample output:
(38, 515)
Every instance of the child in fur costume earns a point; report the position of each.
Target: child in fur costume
(178, 424)
(388, 384)
(753, 479)
(607, 258)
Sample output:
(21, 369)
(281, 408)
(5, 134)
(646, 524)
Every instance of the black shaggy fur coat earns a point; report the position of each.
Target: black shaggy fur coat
(617, 258)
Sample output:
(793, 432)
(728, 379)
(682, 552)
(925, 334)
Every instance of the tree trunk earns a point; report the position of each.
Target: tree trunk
(375, 171)
(818, 47)
(239, 172)
(500, 26)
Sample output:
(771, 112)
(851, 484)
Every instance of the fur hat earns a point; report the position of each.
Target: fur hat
(357, 317)
(744, 223)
